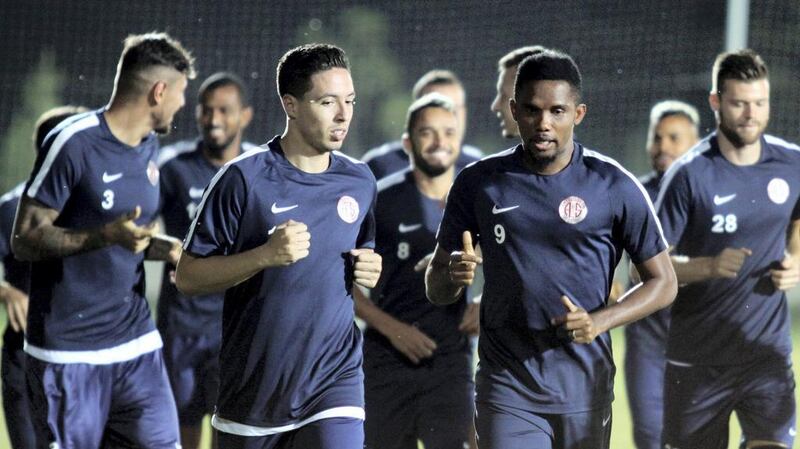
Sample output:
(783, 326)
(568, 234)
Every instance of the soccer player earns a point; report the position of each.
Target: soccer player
(506, 74)
(191, 326)
(95, 372)
(417, 357)
(286, 231)
(727, 207)
(674, 128)
(14, 294)
(390, 157)
(552, 218)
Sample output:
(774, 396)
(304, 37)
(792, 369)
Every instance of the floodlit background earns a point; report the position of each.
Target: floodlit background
(631, 54)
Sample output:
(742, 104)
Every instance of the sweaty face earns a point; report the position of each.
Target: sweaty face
(743, 112)
(435, 141)
(500, 105)
(323, 114)
(172, 103)
(220, 117)
(546, 114)
(673, 135)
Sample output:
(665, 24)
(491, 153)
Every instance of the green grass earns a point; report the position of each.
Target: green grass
(621, 434)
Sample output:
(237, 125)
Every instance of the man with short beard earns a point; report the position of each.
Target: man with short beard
(95, 371)
(191, 326)
(730, 209)
(417, 357)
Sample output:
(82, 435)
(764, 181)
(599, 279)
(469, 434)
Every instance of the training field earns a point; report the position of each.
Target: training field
(621, 436)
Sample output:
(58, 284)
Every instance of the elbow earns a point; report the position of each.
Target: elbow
(184, 283)
(670, 289)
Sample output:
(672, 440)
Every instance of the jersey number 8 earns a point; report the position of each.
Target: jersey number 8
(403, 250)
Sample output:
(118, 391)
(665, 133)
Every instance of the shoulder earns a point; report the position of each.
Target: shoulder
(71, 133)
(787, 149)
(621, 180)
(691, 162)
(351, 164)
(170, 152)
(490, 163)
(383, 150)
(12, 195)
(392, 182)
(471, 152)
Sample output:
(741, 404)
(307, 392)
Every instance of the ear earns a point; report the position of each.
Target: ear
(247, 116)
(158, 91)
(513, 104)
(713, 101)
(406, 144)
(580, 113)
(290, 104)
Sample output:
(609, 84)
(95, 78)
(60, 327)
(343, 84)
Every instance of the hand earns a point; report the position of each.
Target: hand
(728, 263)
(367, 269)
(578, 323)
(126, 233)
(422, 265)
(412, 342)
(463, 263)
(16, 306)
(166, 248)
(289, 243)
(787, 274)
(470, 322)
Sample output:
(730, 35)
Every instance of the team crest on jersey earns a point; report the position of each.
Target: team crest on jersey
(572, 210)
(778, 190)
(348, 209)
(152, 173)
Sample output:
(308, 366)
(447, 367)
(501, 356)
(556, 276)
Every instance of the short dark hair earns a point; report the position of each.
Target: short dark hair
(514, 57)
(144, 51)
(551, 65)
(431, 100)
(436, 77)
(50, 119)
(299, 64)
(223, 79)
(741, 65)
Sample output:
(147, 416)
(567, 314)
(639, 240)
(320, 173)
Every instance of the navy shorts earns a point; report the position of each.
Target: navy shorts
(125, 404)
(503, 427)
(330, 433)
(432, 402)
(193, 370)
(645, 362)
(699, 401)
(15, 399)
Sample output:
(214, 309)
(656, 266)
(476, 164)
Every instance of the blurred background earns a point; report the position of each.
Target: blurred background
(631, 54)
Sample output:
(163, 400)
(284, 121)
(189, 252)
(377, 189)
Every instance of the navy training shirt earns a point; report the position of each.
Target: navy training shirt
(707, 204)
(390, 158)
(16, 273)
(185, 173)
(290, 349)
(405, 231)
(94, 300)
(543, 237)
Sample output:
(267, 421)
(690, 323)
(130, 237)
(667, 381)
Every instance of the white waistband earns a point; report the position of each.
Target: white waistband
(148, 342)
(236, 428)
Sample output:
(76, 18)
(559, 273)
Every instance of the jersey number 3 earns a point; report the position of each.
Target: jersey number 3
(724, 224)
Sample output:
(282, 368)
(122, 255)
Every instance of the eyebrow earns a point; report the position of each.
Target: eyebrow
(351, 94)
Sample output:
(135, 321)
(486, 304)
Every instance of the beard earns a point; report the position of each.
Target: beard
(736, 139)
(431, 171)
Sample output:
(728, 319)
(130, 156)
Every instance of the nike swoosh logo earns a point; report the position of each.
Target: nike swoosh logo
(496, 210)
(111, 178)
(272, 230)
(277, 210)
(720, 200)
(605, 421)
(195, 192)
(403, 228)
(792, 432)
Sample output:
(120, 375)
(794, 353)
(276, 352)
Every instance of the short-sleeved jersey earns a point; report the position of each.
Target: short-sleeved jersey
(290, 349)
(656, 325)
(390, 158)
(707, 204)
(90, 307)
(16, 273)
(405, 232)
(543, 237)
(185, 173)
